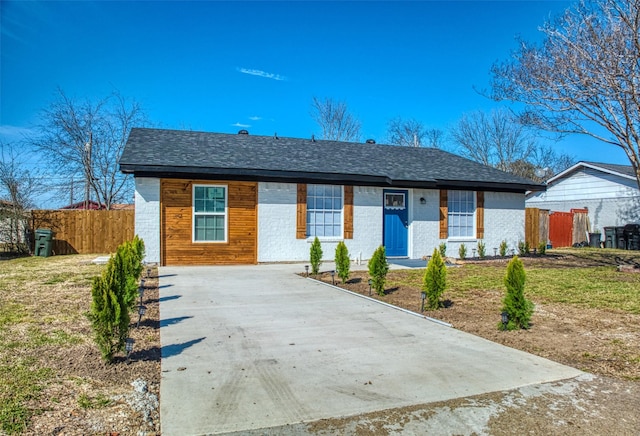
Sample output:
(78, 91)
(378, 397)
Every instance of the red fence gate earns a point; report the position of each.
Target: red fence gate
(561, 229)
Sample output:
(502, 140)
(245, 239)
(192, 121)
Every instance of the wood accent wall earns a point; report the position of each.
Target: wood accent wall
(480, 214)
(301, 212)
(85, 231)
(444, 214)
(348, 212)
(177, 246)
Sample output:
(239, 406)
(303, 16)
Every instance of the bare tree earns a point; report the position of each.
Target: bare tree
(495, 139)
(335, 120)
(498, 139)
(87, 137)
(435, 138)
(584, 77)
(413, 133)
(408, 133)
(18, 186)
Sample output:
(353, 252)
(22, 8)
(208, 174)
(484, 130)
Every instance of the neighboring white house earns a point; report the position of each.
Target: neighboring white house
(610, 193)
(211, 198)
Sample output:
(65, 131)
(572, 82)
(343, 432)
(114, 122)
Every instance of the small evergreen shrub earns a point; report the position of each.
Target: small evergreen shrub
(443, 250)
(523, 248)
(315, 256)
(113, 295)
(342, 261)
(435, 280)
(110, 309)
(517, 307)
(542, 248)
(462, 252)
(132, 253)
(378, 269)
(482, 249)
(503, 248)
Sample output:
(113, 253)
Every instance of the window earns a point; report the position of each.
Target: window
(461, 211)
(393, 201)
(324, 210)
(209, 213)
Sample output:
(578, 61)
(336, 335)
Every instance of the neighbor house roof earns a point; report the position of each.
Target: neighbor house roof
(188, 154)
(90, 205)
(625, 171)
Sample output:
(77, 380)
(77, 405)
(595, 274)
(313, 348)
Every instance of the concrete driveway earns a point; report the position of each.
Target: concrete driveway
(255, 347)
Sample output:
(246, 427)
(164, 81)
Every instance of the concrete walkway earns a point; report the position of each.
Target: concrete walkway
(252, 347)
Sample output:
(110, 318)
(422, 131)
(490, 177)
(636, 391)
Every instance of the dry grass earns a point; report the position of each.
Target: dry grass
(51, 375)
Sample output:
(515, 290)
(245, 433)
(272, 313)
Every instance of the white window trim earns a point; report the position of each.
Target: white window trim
(194, 213)
(329, 238)
(475, 221)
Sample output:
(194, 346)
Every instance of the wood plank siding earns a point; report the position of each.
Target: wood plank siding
(177, 246)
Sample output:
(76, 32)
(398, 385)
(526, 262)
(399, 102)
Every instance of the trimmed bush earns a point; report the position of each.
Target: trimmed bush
(518, 308)
(342, 261)
(132, 253)
(378, 269)
(462, 252)
(435, 280)
(482, 249)
(113, 295)
(542, 248)
(315, 256)
(110, 309)
(503, 248)
(523, 248)
(443, 250)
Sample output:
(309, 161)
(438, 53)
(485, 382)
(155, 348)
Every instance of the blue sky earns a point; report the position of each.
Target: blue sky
(222, 66)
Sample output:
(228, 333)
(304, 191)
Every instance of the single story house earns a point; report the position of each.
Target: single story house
(213, 198)
(609, 192)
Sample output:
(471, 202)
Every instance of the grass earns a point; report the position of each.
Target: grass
(21, 381)
(600, 287)
(97, 402)
(39, 308)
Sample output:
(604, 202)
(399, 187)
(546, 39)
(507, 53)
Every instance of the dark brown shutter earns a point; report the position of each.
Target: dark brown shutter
(480, 214)
(348, 212)
(301, 218)
(444, 212)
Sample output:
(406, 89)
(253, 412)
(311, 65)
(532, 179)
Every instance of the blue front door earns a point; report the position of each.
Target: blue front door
(396, 222)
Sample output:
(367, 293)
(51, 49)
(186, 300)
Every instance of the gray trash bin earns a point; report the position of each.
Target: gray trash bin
(44, 242)
(610, 237)
(594, 240)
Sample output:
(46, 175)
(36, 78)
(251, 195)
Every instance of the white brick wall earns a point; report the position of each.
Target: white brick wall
(503, 219)
(277, 225)
(424, 225)
(147, 216)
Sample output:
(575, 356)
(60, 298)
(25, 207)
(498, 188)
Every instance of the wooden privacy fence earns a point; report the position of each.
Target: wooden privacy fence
(536, 226)
(85, 231)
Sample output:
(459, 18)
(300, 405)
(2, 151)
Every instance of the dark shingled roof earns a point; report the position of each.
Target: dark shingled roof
(187, 154)
(626, 170)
